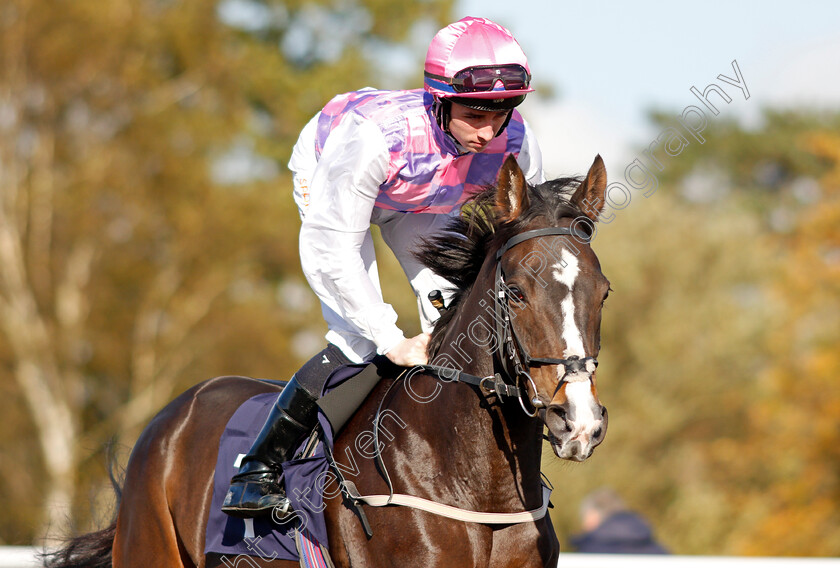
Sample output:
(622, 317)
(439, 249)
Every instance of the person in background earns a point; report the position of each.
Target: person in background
(611, 528)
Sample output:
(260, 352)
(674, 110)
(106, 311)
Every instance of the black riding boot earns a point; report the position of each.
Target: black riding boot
(257, 488)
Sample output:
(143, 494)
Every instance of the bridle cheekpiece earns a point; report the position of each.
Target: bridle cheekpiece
(515, 359)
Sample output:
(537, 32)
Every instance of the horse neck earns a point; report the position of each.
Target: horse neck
(511, 439)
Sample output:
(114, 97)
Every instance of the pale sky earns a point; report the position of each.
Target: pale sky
(610, 61)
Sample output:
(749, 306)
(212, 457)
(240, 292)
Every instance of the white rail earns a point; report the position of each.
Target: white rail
(19, 557)
(568, 560)
(27, 557)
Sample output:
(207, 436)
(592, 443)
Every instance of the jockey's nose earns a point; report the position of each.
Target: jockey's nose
(486, 131)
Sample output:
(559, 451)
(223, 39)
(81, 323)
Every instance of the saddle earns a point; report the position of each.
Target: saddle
(303, 536)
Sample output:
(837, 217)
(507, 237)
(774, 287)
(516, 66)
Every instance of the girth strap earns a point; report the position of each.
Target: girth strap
(449, 511)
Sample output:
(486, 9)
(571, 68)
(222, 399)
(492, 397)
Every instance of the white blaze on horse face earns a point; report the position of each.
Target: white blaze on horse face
(580, 395)
(566, 272)
(583, 414)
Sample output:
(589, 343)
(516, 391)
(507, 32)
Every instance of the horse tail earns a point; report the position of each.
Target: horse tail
(91, 550)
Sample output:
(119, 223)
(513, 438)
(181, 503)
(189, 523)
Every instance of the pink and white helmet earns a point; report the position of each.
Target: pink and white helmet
(475, 58)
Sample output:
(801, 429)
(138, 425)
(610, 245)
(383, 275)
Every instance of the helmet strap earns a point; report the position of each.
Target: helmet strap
(505, 123)
(442, 109)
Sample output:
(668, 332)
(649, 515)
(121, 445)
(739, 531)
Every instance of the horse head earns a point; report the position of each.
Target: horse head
(555, 292)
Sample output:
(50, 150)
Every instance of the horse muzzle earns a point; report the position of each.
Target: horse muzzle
(575, 430)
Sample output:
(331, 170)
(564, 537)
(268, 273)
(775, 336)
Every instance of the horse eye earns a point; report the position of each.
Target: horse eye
(516, 293)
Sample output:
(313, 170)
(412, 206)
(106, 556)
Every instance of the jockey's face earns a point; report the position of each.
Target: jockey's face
(474, 129)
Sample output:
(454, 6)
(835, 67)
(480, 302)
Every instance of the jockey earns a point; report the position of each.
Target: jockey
(404, 161)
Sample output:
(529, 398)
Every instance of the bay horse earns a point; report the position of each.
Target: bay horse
(526, 283)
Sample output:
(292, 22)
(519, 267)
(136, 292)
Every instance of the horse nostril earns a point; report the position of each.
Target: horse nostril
(561, 413)
(597, 433)
(556, 419)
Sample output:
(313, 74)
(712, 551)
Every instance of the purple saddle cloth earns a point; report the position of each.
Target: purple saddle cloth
(304, 481)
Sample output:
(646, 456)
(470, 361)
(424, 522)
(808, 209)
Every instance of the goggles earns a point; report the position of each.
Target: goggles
(482, 78)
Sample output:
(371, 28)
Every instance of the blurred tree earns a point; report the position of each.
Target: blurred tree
(147, 232)
(796, 421)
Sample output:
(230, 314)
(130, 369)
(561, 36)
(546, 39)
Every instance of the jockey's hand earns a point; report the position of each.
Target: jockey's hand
(411, 351)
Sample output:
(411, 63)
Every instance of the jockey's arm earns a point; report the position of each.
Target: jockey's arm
(530, 158)
(343, 188)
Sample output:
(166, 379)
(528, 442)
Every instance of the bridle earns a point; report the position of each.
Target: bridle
(515, 359)
(516, 362)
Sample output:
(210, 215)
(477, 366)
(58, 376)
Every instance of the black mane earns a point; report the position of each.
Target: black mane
(458, 253)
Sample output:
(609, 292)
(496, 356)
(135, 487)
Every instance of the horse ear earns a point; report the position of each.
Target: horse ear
(589, 197)
(511, 190)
